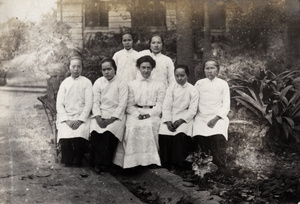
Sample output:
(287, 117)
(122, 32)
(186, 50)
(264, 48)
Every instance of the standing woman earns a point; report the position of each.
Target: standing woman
(179, 108)
(74, 104)
(211, 122)
(145, 101)
(108, 121)
(126, 59)
(164, 69)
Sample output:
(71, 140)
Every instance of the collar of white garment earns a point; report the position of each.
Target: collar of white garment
(214, 79)
(146, 79)
(114, 78)
(129, 51)
(184, 85)
(75, 78)
(156, 55)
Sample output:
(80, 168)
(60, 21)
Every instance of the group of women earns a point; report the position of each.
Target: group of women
(144, 112)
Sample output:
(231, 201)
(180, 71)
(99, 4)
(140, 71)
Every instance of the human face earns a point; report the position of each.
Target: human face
(127, 41)
(108, 71)
(211, 70)
(75, 68)
(156, 44)
(180, 76)
(145, 69)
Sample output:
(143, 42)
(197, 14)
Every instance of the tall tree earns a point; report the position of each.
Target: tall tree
(206, 34)
(185, 45)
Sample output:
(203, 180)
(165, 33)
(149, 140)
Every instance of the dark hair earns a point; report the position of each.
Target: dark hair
(216, 62)
(146, 58)
(111, 61)
(182, 66)
(156, 35)
(75, 57)
(128, 33)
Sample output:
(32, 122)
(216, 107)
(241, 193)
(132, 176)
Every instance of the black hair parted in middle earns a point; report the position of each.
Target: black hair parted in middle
(183, 66)
(156, 35)
(146, 58)
(111, 61)
(127, 33)
(211, 60)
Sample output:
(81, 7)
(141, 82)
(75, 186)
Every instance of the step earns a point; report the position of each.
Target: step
(162, 186)
(23, 89)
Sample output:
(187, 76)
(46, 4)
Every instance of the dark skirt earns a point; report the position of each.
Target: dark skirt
(102, 149)
(174, 149)
(214, 145)
(73, 150)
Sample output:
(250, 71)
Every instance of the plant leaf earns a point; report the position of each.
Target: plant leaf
(269, 118)
(296, 80)
(279, 119)
(297, 127)
(295, 97)
(296, 135)
(295, 110)
(290, 121)
(285, 90)
(253, 102)
(286, 129)
(259, 114)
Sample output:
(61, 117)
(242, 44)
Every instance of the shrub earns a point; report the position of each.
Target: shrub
(273, 99)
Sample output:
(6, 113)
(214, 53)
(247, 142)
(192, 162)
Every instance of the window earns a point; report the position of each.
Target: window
(149, 13)
(218, 16)
(96, 14)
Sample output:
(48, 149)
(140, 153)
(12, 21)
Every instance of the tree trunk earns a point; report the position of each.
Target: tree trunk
(206, 34)
(185, 48)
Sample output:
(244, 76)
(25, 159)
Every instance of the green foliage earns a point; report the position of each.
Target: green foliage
(273, 99)
(254, 29)
(202, 164)
(11, 38)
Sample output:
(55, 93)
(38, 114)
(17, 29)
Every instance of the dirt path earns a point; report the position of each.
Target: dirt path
(28, 172)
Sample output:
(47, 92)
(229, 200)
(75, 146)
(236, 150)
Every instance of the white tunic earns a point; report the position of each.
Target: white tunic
(164, 69)
(110, 100)
(74, 102)
(180, 102)
(126, 64)
(214, 101)
(140, 142)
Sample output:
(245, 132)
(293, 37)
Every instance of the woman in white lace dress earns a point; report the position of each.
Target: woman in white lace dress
(144, 108)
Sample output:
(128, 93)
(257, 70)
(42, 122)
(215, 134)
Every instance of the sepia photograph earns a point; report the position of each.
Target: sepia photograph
(150, 101)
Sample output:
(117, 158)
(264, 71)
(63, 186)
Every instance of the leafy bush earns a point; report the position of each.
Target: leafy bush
(273, 99)
(254, 28)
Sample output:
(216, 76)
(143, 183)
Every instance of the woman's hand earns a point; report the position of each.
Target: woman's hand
(101, 122)
(178, 122)
(69, 123)
(143, 116)
(213, 121)
(170, 126)
(110, 120)
(74, 124)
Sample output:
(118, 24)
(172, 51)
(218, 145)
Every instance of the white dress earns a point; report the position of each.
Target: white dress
(141, 136)
(110, 100)
(126, 64)
(214, 100)
(74, 102)
(164, 69)
(180, 102)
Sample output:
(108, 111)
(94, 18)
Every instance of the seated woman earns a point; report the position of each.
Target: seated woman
(108, 121)
(179, 108)
(144, 106)
(211, 122)
(74, 104)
